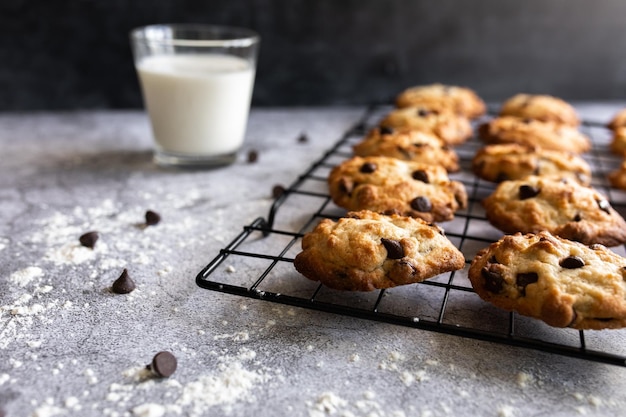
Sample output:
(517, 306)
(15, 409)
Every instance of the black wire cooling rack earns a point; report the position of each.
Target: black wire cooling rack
(265, 249)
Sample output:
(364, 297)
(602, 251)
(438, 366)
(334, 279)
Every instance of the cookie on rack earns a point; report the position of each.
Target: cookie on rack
(617, 177)
(460, 100)
(540, 107)
(512, 161)
(618, 142)
(563, 283)
(529, 132)
(388, 185)
(366, 251)
(618, 120)
(559, 205)
(408, 145)
(446, 125)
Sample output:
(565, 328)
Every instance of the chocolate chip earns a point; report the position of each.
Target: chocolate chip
(502, 177)
(368, 167)
(493, 260)
(572, 262)
(253, 156)
(303, 138)
(346, 185)
(493, 280)
(527, 121)
(124, 284)
(578, 217)
(385, 130)
(420, 175)
(604, 206)
(89, 239)
(423, 112)
(163, 364)
(527, 191)
(421, 204)
(394, 248)
(152, 218)
(278, 190)
(525, 278)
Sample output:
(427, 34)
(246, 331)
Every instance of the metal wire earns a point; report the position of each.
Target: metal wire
(268, 249)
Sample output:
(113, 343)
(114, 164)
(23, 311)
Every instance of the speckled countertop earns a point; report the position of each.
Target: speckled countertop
(69, 346)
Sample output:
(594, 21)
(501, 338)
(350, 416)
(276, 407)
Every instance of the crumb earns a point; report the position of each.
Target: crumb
(230, 269)
(505, 411)
(355, 358)
(523, 379)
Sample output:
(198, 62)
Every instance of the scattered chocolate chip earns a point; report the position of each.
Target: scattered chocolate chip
(152, 218)
(163, 364)
(527, 191)
(493, 260)
(391, 212)
(578, 217)
(423, 112)
(420, 175)
(253, 156)
(421, 204)
(502, 177)
(89, 239)
(346, 185)
(278, 190)
(524, 279)
(604, 206)
(368, 167)
(572, 262)
(303, 138)
(385, 130)
(124, 284)
(394, 248)
(493, 280)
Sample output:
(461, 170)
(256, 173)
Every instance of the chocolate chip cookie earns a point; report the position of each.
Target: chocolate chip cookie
(618, 142)
(408, 145)
(366, 251)
(512, 161)
(460, 100)
(540, 107)
(388, 185)
(449, 127)
(618, 120)
(560, 206)
(564, 283)
(529, 132)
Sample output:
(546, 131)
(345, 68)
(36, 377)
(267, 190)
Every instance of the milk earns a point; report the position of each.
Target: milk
(198, 104)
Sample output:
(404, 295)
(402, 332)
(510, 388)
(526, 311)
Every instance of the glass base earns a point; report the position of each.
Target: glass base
(176, 160)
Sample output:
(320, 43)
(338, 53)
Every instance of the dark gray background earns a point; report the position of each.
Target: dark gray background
(75, 54)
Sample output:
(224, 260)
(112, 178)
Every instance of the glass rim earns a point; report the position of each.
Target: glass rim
(244, 37)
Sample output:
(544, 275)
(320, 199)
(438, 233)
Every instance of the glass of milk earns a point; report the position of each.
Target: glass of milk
(197, 83)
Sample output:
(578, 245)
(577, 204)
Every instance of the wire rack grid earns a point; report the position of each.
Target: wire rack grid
(265, 250)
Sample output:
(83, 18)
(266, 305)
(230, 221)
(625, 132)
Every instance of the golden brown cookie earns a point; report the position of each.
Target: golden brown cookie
(540, 107)
(561, 206)
(617, 177)
(366, 251)
(447, 126)
(547, 135)
(512, 161)
(618, 142)
(389, 185)
(460, 100)
(409, 145)
(564, 283)
(619, 120)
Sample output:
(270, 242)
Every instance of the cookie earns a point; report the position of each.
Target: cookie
(366, 251)
(619, 120)
(460, 100)
(617, 178)
(511, 161)
(547, 135)
(389, 185)
(409, 145)
(447, 126)
(540, 107)
(618, 142)
(563, 283)
(561, 206)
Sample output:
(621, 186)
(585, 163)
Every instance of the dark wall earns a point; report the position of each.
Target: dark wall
(70, 54)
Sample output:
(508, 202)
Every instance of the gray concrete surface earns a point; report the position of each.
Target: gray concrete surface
(70, 347)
